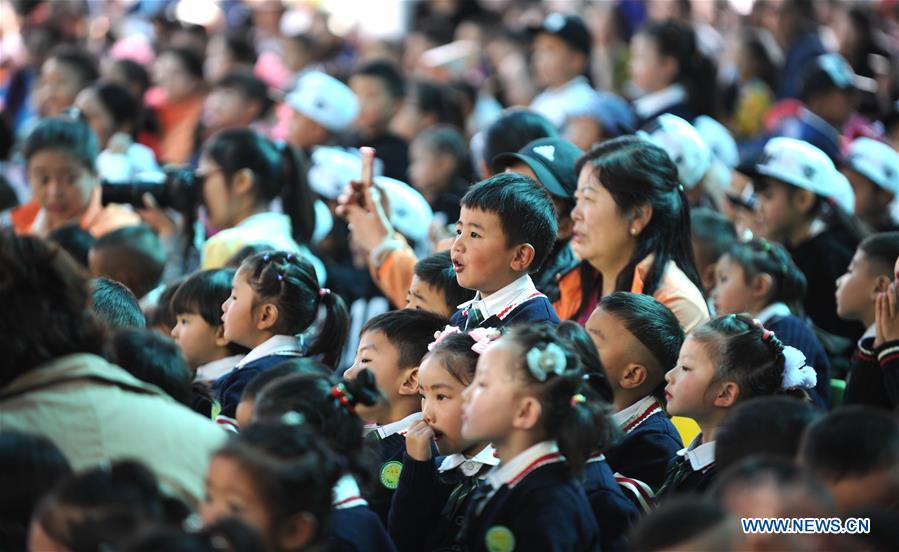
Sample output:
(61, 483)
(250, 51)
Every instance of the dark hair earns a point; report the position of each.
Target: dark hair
(250, 87)
(291, 467)
(387, 73)
(581, 427)
(95, 509)
(162, 314)
(79, 60)
(134, 73)
(293, 367)
(713, 233)
(514, 129)
(447, 140)
(675, 522)
(457, 357)
(760, 256)
(116, 305)
(64, 133)
(852, 441)
(32, 466)
(203, 293)
(289, 280)
(45, 311)
(696, 71)
(277, 169)
(410, 331)
(635, 173)
(763, 425)
(245, 252)
(526, 212)
(436, 99)
(229, 534)
(240, 47)
(652, 324)
(741, 352)
(437, 271)
(579, 341)
(319, 402)
(152, 358)
(189, 60)
(765, 67)
(762, 470)
(139, 251)
(120, 104)
(75, 240)
(881, 249)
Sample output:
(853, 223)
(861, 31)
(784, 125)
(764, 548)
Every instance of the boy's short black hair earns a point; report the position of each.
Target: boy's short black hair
(240, 47)
(139, 249)
(882, 250)
(387, 73)
(190, 60)
(713, 232)
(152, 358)
(409, 330)
(514, 129)
(676, 521)
(116, 305)
(75, 240)
(162, 314)
(525, 212)
(80, 61)
(248, 86)
(134, 72)
(203, 293)
(764, 425)
(63, 133)
(769, 470)
(851, 442)
(437, 271)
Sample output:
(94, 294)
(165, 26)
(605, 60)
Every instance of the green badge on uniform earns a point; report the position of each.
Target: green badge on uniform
(390, 474)
(500, 539)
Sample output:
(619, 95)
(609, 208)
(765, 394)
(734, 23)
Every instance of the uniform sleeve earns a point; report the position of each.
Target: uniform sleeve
(394, 276)
(865, 382)
(415, 504)
(888, 358)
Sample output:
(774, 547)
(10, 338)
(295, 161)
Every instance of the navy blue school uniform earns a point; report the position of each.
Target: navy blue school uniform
(795, 332)
(650, 443)
(693, 471)
(530, 503)
(354, 527)
(615, 512)
(672, 99)
(517, 303)
(229, 388)
(430, 502)
(391, 447)
(868, 382)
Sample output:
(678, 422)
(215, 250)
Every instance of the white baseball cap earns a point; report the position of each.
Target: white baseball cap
(876, 161)
(684, 146)
(719, 140)
(842, 192)
(409, 213)
(805, 166)
(333, 168)
(325, 100)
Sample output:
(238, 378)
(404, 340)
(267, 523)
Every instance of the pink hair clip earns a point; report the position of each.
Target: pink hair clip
(483, 338)
(324, 291)
(443, 334)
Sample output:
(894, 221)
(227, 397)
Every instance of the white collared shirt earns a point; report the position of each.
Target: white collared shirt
(655, 102)
(507, 472)
(400, 427)
(774, 310)
(632, 413)
(346, 494)
(470, 466)
(556, 103)
(700, 456)
(286, 345)
(212, 371)
(497, 302)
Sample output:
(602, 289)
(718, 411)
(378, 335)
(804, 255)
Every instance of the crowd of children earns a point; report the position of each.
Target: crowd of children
(510, 279)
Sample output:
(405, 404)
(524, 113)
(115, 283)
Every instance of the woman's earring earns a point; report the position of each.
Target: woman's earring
(633, 231)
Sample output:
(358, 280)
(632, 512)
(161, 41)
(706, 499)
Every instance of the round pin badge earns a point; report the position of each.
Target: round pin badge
(500, 539)
(390, 474)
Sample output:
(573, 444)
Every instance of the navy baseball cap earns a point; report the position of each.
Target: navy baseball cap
(569, 28)
(553, 161)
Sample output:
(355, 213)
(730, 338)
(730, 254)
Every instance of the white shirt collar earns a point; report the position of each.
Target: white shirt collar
(870, 332)
(212, 371)
(774, 310)
(400, 427)
(470, 466)
(346, 494)
(510, 295)
(654, 102)
(630, 417)
(286, 345)
(700, 455)
(511, 472)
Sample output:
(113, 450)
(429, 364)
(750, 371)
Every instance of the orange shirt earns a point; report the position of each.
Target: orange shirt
(96, 219)
(179, 123)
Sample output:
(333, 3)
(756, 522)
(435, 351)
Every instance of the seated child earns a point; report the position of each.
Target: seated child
(328, 407)
(638, 340)
(199, 331)
(726, 360)
(872, 168)
(759, 277)
(855, 451)
(290, 367)
(132, 255)
(115, 305)
(433, 492)
(392, 346)
(506, 229)
(685, 523)
(277, 478)
(530, 400)
(869, 274)
(434, 286)
(712, 236)
(152, 358)
(274, 298)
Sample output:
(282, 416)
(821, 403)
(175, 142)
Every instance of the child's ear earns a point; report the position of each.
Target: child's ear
(632, 376)
(266, 316)
(881, 284)
(727, 395)
(524, 257)
(761, 285)
(298, 531)
(220, 340)
(409, 382)
(528, 414)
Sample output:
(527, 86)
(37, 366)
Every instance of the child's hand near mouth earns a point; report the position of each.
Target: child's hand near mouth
(419, 440)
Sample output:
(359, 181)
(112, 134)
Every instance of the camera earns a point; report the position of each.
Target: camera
(180, 189)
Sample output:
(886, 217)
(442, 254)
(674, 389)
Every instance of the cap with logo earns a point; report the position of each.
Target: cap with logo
(569, 28)
(553, 161)
(325, 100)
(801, 164)
(683, 144)
(876, 161)
(834, 70)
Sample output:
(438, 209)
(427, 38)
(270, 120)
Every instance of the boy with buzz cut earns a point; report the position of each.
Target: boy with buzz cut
(391, 346)
(506, 229)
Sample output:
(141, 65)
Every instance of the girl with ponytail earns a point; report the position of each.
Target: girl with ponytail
(632, 230)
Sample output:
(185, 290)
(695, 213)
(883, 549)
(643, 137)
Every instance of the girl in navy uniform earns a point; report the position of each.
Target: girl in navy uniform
(729, 359)
(530, 400)
(429, 504)
(274, 298)
(329, 406)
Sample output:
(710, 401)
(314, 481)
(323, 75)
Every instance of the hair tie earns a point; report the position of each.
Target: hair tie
(293, 418)
(344, 397)
(289, 257)
(443, 334)
(280, 277)
(266, 258)
(766, 335)
(797, 372)
(550, 360)
(324, 291)
(483, 338)
(577, 399)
